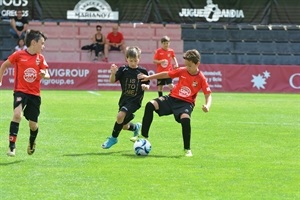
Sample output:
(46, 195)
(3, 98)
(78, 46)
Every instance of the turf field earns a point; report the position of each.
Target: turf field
(246, 147)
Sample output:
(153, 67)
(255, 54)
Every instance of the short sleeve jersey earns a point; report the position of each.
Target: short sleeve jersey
(20, 23)
(132, 91)
(188, 85)
(115, 38)
(161, 54)
(27, 71)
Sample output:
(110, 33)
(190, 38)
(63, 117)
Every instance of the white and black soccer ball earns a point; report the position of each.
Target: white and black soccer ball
(142, 147)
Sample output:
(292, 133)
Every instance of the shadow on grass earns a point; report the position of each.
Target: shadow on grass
(107, 153)
(94, 154)
(152, 156)
(11, 163)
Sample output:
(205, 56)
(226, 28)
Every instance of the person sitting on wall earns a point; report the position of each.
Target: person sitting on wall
(115, 41)
(18, 25)
(99, 41)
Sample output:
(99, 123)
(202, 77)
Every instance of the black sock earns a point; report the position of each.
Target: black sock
(32, 137)
(147, 119)
(117, 130)
(160, 93)
(186, 132)
(131, 126)
(13, 133)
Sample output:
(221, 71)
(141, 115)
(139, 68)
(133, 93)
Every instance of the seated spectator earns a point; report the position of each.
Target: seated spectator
(115, 41)
(18, 25)
(20, 45)
(98, 42)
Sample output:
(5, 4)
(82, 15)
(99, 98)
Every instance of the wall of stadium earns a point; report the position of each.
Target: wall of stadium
(221, 78)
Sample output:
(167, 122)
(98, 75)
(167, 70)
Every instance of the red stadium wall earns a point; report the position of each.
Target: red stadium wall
(222, 78)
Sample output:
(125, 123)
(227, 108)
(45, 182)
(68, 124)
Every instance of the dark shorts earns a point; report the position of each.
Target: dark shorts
(113, 48)
(165, 81)
(30, 105)
(130, 109)
(169, 105)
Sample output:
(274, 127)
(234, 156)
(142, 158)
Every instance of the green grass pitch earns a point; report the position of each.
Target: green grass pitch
(246, 147)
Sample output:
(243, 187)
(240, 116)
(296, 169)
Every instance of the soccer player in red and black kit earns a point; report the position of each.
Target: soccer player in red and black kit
(131, 96)
(29, 68)
(181, 100)
(163, 59)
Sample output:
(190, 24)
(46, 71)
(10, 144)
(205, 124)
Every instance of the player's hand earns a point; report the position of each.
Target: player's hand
(142, 77)
(113, 68)
(175, 66)
(205, 108)
(44, 74)
(145, 87)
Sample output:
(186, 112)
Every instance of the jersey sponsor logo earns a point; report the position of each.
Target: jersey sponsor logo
(195, 83)
(165, 63)
(184, 91)
(30, 75)
(38, 61)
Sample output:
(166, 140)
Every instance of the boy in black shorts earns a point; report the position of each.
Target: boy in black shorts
(163, 59)
(131, 97)
(30, 68)
(181, 100)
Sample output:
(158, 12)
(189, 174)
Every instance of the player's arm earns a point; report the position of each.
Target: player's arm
(93, 38)
(25, 27)
(161, 75)
(3, 67)
(208, 100)
(13, 24)
(176, 63)
(113, 69)
(121, 43)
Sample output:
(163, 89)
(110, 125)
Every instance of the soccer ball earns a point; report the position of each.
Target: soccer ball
(142, 147)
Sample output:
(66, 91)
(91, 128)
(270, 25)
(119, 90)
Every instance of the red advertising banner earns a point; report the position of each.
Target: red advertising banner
(221, 78)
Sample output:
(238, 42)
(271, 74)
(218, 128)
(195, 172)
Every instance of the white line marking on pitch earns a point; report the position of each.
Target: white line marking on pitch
(94, 93)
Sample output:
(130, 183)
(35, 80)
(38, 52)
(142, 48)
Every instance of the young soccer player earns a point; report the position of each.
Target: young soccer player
(29, 67)
(163, 59)
(131, 96)
(181, 100)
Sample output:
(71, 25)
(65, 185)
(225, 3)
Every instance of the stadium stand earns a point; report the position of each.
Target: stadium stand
(7, 43)
(66, 39)
(243, 44)
(218, 44)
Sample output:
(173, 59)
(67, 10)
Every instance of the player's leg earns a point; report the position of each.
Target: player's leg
(14, 129)
(148, 117)
(182, 113)
(113, 139)
(186, 133)
(33, 134)
(160, 87)
(31, 113)
(127, 124)
(19, 101)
